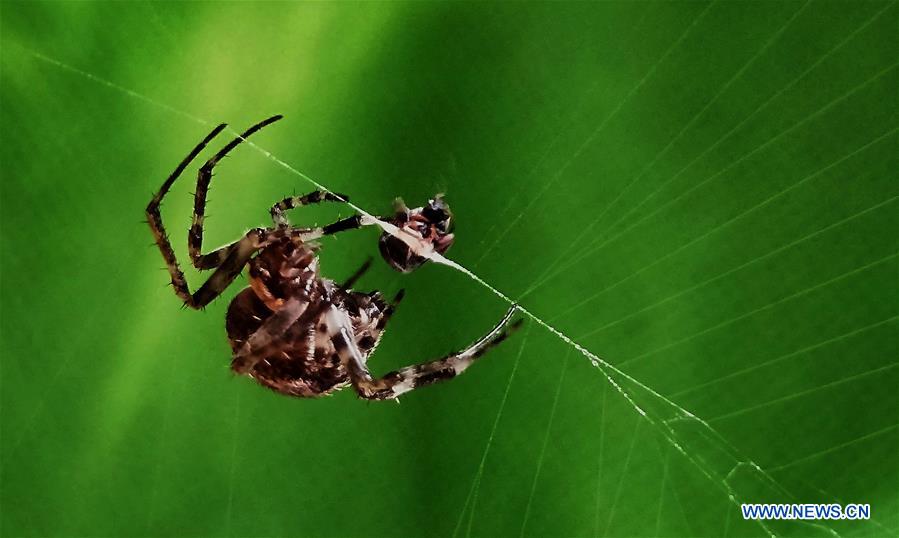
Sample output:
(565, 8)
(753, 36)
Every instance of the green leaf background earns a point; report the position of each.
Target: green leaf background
(702, 194)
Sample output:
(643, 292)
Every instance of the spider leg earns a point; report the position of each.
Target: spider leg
(154, 219)
(204, 176)
(398, 382)
(265, 340)
(342, 225)
(391, 309)
(314, 197)
(239, 253)
(348, 283)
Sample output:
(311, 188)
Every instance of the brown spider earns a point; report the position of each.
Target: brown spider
(292, 330)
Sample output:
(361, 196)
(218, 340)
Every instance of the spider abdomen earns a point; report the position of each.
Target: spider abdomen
(304, 362)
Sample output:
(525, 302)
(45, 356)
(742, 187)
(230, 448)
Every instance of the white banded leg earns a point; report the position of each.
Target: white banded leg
(399, 382)
(291, 202)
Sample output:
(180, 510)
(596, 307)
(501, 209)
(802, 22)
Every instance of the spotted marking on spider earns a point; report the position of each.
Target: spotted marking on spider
(293, 330)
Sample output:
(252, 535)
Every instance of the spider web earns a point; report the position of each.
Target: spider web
(688, 436)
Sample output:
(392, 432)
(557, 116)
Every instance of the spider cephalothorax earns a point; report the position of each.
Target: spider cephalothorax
(292, 329)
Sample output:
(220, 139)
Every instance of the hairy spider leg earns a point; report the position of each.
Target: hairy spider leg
(342, 225)
(239, 253)
(231, 258)
(399, 382)
(311, 234)
(228, 260)
(154, 218)
(204, 176)
(291, 202)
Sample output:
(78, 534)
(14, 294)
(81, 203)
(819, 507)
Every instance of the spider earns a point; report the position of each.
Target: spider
(293, 330)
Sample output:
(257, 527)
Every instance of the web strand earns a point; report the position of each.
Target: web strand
(592, 136)
(554, 268)
(589, 228)
(472, 498)
(664, 415)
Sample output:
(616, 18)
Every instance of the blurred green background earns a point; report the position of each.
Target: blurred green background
(704, 194)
